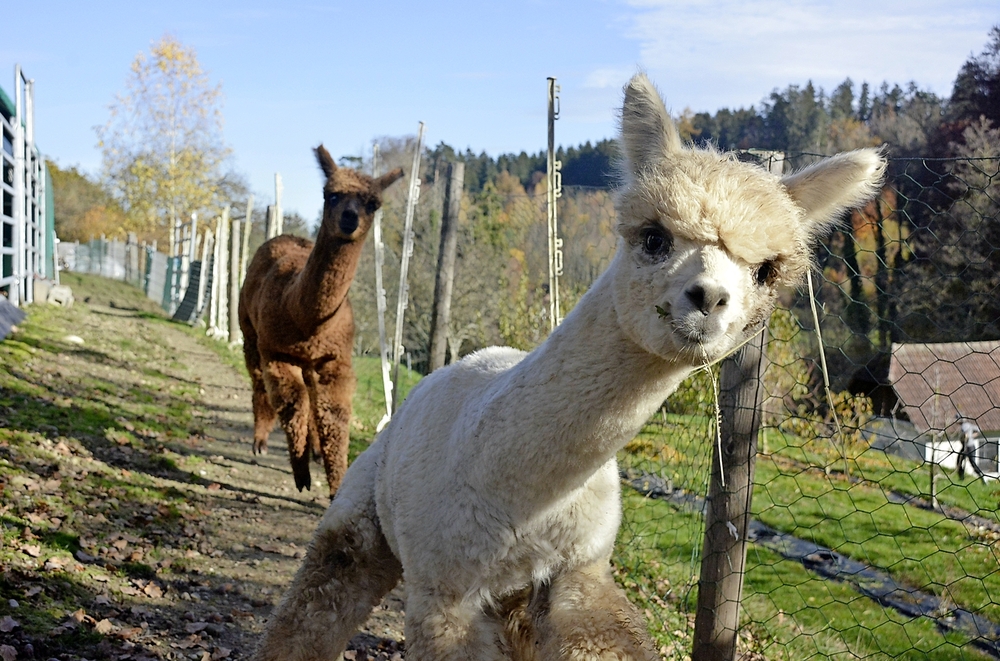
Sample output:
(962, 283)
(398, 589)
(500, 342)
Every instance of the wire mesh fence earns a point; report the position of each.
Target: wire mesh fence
(875, 527)
(874, 531)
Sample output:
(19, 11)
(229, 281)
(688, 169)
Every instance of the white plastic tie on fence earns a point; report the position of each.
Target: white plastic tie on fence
(732, 530)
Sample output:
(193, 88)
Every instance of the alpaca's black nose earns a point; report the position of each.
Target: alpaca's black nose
(348, 221)
(707, 297)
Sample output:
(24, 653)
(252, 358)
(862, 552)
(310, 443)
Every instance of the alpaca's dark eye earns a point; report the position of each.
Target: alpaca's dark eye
(656, 242)
(765, 273)
(371, 206)
(332, 199)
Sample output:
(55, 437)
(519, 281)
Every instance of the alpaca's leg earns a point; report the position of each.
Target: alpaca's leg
(264, 415)
(334, 388)
(443, 627)
(290, 399)
(347, 570)
(589, 618)
(310, 378)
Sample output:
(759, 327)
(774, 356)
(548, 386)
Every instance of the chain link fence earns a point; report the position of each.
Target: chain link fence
(874, 531)
(129, 261)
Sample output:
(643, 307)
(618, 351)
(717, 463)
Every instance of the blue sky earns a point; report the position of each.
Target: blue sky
(296, 73)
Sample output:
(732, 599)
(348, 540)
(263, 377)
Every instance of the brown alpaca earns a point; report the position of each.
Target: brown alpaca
(298, 328)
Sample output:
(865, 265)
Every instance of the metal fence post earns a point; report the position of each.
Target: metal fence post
(245, 246)
(404, 261)
(553, 177)
(235, 239)
(279, 213)
(727, 516)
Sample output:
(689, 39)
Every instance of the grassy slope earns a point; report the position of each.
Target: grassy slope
(98, 442)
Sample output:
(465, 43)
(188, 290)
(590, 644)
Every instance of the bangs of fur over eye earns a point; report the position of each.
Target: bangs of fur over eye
(712, 198)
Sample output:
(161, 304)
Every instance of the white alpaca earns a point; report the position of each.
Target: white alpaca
(494, 491)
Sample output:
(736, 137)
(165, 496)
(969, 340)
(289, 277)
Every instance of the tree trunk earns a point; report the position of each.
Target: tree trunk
(441, 311)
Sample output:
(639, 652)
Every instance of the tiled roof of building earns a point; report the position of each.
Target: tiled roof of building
(937, 382)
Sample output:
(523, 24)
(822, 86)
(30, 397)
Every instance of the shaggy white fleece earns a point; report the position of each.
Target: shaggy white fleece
(494, 490)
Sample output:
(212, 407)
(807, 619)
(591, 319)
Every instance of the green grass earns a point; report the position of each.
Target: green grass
(790, 611)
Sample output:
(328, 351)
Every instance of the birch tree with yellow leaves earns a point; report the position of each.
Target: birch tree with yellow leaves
(162, 145)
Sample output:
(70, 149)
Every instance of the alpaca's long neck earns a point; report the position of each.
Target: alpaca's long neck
(571, 404)
(321, 288)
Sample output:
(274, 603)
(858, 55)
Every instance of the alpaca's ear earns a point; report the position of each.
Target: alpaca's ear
(841, 182)
(648, 133)
(389, 178)
(326, 163)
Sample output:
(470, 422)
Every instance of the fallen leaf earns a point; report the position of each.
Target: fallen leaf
(78, 615)
(221, 653)
(8, 624)
(153, 590)
(214, 486)
(33, 550)
(128, 632)
(104, 627)
(187, 643)
(7, 653)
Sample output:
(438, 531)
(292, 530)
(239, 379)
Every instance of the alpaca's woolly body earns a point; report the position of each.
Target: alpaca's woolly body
(494, 490)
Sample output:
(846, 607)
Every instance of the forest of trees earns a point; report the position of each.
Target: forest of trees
(920, 263)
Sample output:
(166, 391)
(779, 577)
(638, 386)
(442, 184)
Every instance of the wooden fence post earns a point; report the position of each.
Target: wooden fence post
(727, 515)
(441, 310)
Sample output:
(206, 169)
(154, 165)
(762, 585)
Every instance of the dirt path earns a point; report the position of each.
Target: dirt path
(118, 541)
(263, 537)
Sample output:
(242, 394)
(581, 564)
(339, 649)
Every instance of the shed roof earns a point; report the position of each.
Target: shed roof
(936, 382)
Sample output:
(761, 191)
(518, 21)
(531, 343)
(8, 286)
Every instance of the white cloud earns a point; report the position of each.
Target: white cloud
(731, 53)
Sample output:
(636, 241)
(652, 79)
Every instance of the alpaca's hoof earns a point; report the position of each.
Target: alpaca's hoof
(303, 481)
(260, 447)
